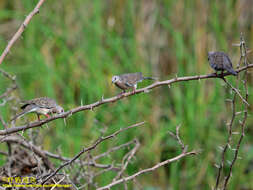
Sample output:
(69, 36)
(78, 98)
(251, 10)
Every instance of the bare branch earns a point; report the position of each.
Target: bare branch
(116, 98)
(129, 157)
(245, 116)
(20, 30)
(100, 140)
(182, 155)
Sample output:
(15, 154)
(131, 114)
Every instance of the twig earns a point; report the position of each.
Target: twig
(35, 149)
(116, 98)
(20, 30)
(9, 90)
(130, 156)
(100, 140)
(183, 154)
(236, 91)
(3, 122)
(243, 123)
(177, 137)
(7, 75)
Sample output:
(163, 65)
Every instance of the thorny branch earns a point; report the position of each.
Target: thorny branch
(116, 98)
(93, 146)
(243, 58)
(20, 30)
(182, 155)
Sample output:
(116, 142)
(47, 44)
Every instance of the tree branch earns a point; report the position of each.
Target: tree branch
(20, 30)
(97, 142)
(183, 154)
(116, 98)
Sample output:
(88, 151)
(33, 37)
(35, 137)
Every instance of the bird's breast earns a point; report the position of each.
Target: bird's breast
(121, 85)
(43, 111)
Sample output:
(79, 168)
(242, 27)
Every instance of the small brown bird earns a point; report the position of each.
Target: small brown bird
(41, 106)
(220, 61)
(129, 80)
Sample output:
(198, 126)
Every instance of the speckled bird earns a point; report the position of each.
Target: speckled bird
(220, 61)
(40, 106)
(129, 80)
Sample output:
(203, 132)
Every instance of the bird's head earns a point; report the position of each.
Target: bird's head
(210, 53)
(115, 79)
(58, 109)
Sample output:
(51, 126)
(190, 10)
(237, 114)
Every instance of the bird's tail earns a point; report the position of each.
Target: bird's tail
(150, 78)
(232, 71)
(19, 115)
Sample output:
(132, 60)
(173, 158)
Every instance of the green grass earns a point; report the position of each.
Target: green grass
(70, 51)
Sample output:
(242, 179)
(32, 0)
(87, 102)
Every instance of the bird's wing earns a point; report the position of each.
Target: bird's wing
(227, 61)
(28, 108)
(43, 102)
(131, 78)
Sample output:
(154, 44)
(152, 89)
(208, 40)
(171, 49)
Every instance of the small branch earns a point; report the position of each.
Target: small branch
(35, 149)
(236, 91)
(7, 75)
(3, 122)
(245, 116)
(122, 180)
(130, 156)
(8, 91)
(20, 30)
(100, 140)
(177, 137)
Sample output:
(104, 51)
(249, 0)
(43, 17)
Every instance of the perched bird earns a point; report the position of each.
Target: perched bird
(129, 80)
(41, 106)
(220, 61)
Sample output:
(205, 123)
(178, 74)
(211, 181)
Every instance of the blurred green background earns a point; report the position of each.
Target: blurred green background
(71, 49)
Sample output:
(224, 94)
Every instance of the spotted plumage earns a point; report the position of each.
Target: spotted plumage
(40, 106)
(129, 80)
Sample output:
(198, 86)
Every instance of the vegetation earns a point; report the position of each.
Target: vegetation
(71, 50)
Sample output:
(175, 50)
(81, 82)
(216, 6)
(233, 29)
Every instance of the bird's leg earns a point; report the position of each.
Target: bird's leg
(222, 74)
(38, 117)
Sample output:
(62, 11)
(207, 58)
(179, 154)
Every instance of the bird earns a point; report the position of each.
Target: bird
(129, 80)
(41, 106)
(220, 61)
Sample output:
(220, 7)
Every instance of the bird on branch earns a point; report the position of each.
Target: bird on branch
(40, 106)
(129, 80)
(220, 61)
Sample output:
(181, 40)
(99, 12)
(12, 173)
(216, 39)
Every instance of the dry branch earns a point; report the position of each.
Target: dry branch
(20, 30)
(93, 146)
(116, 98)
(243, 58)
(183, 154)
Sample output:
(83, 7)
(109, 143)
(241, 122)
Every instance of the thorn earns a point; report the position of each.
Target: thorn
(65, 123)
(237, 44)
(146, 91)
(221, 148)
(81, 102)
(169, 85)
(229, 162)
(237, 113)
(217, 166)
